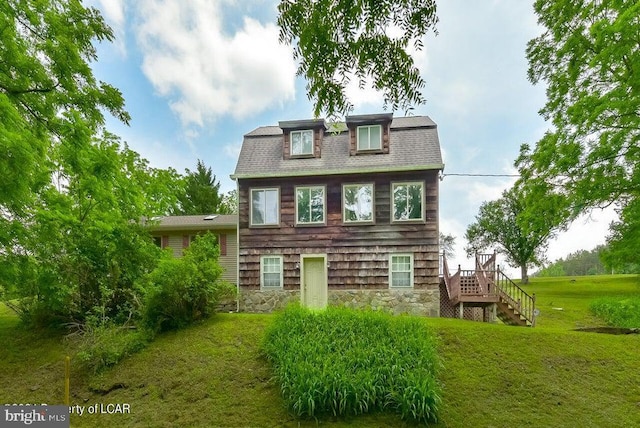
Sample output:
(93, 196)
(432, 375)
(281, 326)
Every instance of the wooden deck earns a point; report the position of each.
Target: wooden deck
(489, 288)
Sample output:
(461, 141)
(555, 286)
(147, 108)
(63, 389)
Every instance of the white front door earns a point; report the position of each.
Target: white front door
(314, 281)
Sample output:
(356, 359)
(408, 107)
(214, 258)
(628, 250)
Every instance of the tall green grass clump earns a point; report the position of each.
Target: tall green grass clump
(618, 312)
(343, 362)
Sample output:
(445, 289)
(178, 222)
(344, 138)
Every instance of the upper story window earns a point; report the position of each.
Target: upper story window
(301, 142)
(370, 137)
(408, 199)
(357, 203)
(265, 207)
(310, 205)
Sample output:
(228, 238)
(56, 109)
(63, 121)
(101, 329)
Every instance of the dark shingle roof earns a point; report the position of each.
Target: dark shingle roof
(194, 222)
(414, 145)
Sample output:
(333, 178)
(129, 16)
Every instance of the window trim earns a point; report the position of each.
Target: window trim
(368, 149)
(324, 205)
(251, 223)
(373, 204)
(422, 201)
(262, 272)
(300, 131)
(411, 270)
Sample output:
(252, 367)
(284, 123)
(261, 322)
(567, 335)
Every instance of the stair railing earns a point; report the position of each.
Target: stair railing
(516, 297)
(451, 282)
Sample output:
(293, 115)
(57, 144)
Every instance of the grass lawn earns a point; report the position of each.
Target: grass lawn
(494, 376)
(564, 301)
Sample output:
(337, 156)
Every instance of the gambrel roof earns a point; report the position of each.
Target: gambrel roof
(413, 145)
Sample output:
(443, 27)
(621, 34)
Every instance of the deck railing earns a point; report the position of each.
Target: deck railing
(485, 273)
(486, 261)
(515, 296)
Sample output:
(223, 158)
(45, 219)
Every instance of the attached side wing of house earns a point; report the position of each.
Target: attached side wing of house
(177, 232)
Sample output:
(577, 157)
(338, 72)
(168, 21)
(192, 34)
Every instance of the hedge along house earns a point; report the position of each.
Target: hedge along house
(346, 216)
(177, 232)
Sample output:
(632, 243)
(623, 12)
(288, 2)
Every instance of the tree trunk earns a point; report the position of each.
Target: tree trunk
(524, 276)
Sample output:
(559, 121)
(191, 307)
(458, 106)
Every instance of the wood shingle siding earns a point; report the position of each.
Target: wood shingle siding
(358, 254)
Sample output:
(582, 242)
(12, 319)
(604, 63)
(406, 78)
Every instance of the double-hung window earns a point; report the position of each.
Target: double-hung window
(357, 203)
(401, 270)
(271, 272)
(310, 205)
(408, 200)
(301, 142)
(265, 207)
(369, 137)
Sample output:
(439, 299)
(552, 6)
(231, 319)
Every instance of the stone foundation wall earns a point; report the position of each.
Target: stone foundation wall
(413, 302)
(266, 301)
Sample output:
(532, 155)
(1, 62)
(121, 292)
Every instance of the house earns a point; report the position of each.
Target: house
(177, 232)
(344, 215)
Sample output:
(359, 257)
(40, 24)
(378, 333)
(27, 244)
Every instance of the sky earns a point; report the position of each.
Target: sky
(199, 74)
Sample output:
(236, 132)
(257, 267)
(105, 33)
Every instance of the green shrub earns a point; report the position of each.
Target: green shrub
(345, 362)
(184, 290)
(107, 345)
(618, 312)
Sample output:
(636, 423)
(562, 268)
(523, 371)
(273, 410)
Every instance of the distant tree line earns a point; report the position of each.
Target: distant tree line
(584, 262)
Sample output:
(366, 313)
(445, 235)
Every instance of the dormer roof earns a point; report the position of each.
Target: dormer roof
(290, 125)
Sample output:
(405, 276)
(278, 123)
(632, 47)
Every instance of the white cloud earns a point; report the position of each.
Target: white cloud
(232, 150)
(479, 191)
(114, 14)
(585, 233)
(206, 73)
(113, 11)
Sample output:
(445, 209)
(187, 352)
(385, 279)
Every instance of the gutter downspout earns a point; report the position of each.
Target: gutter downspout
(238, 248)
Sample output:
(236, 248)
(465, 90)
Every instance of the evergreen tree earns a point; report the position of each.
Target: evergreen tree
(201, 193)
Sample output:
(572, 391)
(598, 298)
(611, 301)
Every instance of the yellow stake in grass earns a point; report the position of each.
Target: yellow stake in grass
(67, 376)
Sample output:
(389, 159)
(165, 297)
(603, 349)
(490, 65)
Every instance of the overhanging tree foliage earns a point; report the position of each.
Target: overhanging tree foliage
(622, 253)
(589, 57)
(504, 224)
(337, 41)
(47, 88)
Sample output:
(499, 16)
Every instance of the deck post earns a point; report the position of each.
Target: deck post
(461, 310)
(494, 312)
(533, 311)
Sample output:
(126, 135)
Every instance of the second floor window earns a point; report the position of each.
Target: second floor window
(264, 207)
(302, 142)
(370, 137)
(310, 205)
(357, 202)
(407, 201)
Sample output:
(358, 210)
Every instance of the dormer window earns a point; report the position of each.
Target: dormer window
(369, 137)
(302, 142)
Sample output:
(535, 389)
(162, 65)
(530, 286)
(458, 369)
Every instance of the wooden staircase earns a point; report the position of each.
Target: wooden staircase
(487, 287)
